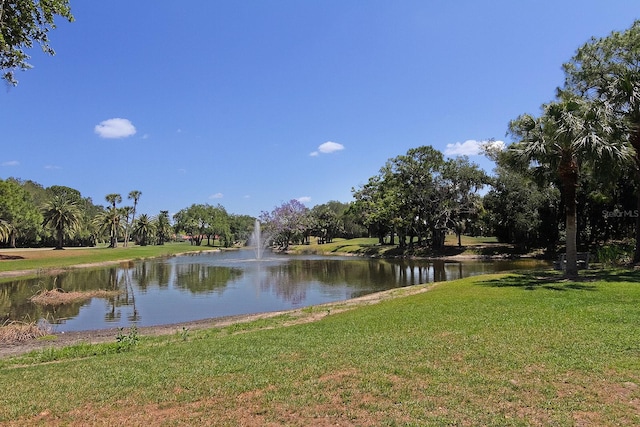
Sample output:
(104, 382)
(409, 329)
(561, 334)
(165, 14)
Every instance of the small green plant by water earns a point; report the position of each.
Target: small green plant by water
(127, 340)
(184, 333)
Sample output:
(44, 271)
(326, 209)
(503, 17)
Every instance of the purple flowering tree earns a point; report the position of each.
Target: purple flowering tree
(285, 223)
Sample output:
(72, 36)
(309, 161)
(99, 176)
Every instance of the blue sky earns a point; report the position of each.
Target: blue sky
(253, 103)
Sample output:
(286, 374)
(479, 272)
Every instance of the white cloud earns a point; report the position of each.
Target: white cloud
(471, 147)
(327, 148)
(11, 163)
(52, 167)
(216, 196)
(304, 199)
(115, 128)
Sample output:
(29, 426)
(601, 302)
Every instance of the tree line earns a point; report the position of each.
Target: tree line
(57, 216)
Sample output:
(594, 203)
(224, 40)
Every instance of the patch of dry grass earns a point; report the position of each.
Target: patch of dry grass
(60, 296)
(15, 332)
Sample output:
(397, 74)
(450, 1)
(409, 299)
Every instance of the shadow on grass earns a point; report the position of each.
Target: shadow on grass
(611, 275)
(10, 257)
(554, 280)
(531, 281)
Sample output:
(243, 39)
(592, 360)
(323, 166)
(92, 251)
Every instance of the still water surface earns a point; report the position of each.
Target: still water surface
(215, 284)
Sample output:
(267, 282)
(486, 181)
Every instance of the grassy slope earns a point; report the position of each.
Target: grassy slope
(490, 350)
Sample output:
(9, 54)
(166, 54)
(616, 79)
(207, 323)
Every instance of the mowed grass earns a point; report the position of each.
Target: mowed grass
(34, 259)
(361, 246)
(513, 350)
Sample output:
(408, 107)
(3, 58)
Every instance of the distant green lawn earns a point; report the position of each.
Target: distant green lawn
(497, 350)
(371, 246)
(49, 258)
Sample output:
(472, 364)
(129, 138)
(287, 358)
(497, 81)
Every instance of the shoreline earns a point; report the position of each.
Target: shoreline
(96, 336)
(298, 315)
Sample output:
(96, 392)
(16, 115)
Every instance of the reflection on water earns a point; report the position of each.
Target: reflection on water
(207, 285)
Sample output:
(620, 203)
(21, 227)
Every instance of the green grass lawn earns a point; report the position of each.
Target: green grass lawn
(498, 350)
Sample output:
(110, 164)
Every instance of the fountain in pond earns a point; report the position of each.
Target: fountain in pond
(257, 241)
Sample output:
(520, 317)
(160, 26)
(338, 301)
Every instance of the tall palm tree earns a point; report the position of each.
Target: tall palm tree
(63, 215)
(570, 132)
(114, 198)
(128, 222)
(135, 195)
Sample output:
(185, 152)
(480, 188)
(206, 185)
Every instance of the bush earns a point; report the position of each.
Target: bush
(615, 254)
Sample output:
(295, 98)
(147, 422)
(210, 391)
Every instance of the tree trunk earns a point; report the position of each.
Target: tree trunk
(636, 254)
(60, 238)
(572, 250)
(568, 172)
(635, 142)
(438, 238)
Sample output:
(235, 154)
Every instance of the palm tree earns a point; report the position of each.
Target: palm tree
(135, 195)
(126, 214)
(114, 198)
(163, 227)
(570, 132)
(63, 215)
(109, 221)
(608, 69)
(143, 229)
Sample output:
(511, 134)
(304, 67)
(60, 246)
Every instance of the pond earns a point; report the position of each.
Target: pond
(216, 284)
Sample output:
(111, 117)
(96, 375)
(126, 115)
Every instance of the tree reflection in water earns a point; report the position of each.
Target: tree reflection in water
(199, 279)
(209, 285)
(122, 279)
